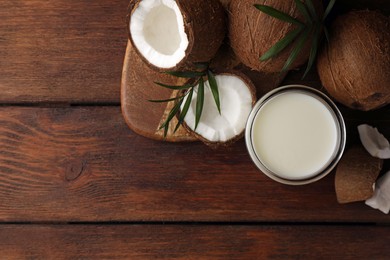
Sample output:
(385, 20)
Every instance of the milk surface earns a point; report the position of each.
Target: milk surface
(295, 135)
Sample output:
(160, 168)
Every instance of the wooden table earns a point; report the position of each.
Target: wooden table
(75, 182)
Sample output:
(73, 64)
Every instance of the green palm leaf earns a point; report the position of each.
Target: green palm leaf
(214, 90)
(312, 10)
(302, 8)
(278, 14)
(297, 49)
(164, 100)
(313, 51)
(173, 112)
(328, 9)
(199, 102)
(281, 45)
(173, 87)
(184, 111)
(185, 74)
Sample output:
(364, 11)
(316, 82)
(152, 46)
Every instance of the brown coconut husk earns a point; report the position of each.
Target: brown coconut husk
(355, 67)
(205, 26)
(226, 60)
(216, 145)
(253, 32)
(143, 116)
(355, 175)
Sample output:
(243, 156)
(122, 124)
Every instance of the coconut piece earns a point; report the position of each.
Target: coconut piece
(374, 142)
(355, 175)
(252, 33)
(237, 97)
(354, 66)
(381, 198)
(137, 88)
(172, 35)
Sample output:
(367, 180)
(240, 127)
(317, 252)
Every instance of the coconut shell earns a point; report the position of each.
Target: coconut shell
(205, 26)
(226, 60)
(355, 175)
(253, 32)
(355, 66)
(216, 145)
(143, 116)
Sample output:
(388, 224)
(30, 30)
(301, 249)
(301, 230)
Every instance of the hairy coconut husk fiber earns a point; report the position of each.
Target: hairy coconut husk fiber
(355, 66)
(253, 32)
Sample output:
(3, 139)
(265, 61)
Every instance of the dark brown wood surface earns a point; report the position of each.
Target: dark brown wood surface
(61, 51)
(193, 242)
(84, 164)
(129, 197)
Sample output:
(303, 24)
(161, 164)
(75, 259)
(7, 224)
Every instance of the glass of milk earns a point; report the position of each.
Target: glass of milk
(295, 135)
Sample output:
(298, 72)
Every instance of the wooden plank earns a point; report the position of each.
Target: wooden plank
(194, 242)
(84, 164)
(61, 51)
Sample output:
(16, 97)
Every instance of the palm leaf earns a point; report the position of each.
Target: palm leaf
(173, 112)
(164, 100)
(328, 9)
(312, 10)
(281, 45)
(296, 50)
(326, 32)
(214, 90)
(185, 74)
(184, 111)
(199, 102)
(302, 8)
(278, 14)
(173, 87)
(313, 51)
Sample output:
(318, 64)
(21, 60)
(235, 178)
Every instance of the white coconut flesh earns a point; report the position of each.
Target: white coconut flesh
(236, 105)
(157, 30)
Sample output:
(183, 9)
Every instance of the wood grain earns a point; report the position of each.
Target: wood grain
(61, 51)
(194, 242)
(84, 164)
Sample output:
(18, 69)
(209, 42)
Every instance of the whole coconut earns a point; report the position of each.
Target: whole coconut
(252, 33)
(355, 66)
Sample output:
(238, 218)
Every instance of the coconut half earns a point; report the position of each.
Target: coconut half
(237, 97)
(169, 33)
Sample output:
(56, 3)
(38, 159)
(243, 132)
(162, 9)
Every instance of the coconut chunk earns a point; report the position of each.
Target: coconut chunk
(355, 175)
(158, 32)
(381, 198)
(236, 98)
(374, 142)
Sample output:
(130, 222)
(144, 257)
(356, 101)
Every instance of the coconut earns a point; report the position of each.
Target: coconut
(355, 66)
(172, 35)
(355, 175)
(143, 116)
(237, 97)
(253, 32)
